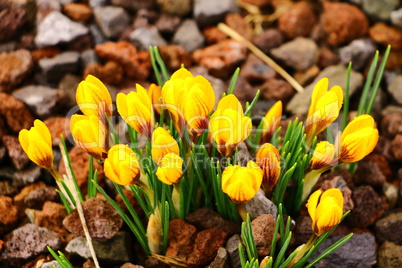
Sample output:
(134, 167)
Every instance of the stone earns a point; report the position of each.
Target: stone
(389, 228)
(370, 173)
(181, 239)
(27, 242)
(110, 73)
(391, 125)
(15, 152)
(206, 246)
(340, 183)
(51, 264)
(369, 207)
(97, 34)
(167, 24)
(396, 18)
(298, 20)
(359, 251)
(45, 7)
(77, 11)
(102, 219)
(390, 191)
(7, 220)
(395, 88)
(277, 89)
(6, 188)
(179, 8)
(221, 260)
(42, 53)
(136, 64)
(359, 52)
(146, 37)
(58, 126)
(244, 91)
(343, 22)
(206, 218)
(174, 56)
(221, 59)
(213, 35)
(263, 228)
(386, 35)
(57, 28)
(389, 255)
(299, 54)
(255, 71)
(379, 10)
(240, 25)
(260, 205)
(210, 12)
(111, 20)
(15, 67)
(336, 75)
(36, 198)
(268, 40)
(306, 77)
(397, 147)
(258, 3)
(134, 5)
(68, 85)
(327, 57)
(303, 231)
(41, 100)
(232, 248)
(55, 68)
(8, 47)
(97, 3)
(188, 36)
(12, 20)
(20, 197)
(23, 177)
(114, 250)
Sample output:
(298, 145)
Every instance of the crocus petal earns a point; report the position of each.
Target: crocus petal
(360, 122)
(170, 169)
(324, 154)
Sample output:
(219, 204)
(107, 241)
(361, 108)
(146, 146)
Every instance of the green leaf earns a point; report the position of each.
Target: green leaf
(233, 81)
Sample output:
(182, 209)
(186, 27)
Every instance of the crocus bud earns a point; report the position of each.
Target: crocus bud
(323, 156)
(162, 144)
(170, 169)
(268, 159)
(155, 94)
(271, 122)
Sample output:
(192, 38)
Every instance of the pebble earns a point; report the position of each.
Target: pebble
(7, 220)
(391, 125)
(57, 28)
(178, 7)
(268, 40)
(206, 246)
(306, 77)
(136, 64)
(395, 88)
(359, 52)
(15, 67)
(255, 71)
(390, 191)
(55, 68)
(260, 205)
(299, 54)
(221, 59)
(12, 20)
(343, 22)
(240, 25)
(114, 250)
(16, 116)
(45, 7)
(23, 177)
(110, 73)
(167, 24)
(397, 147)
(263, 228)
(303, 231)
(97, 34)
(102, 219)
(243, 90)
(394, 59)
(51, 264)
(359, 251)
(210, 12)
(36, 198)
(389, 255)
(174, 56)
(188, 36)
(213, 35)
(277, 89)
(41, 100)
(386, 35)
(15, 152)
(379, 10)
(58, 126)
(221, 260)
(111, 20)
(146, 37)
(27, 242)
(6, 188)
(258, 3)
(97, 3)
(370, 173)
(298, 20)
(20, 197)
(77, 11)
(232, 248)
(389, 228)
(181, 239)
(396, 18)
(134, 5)
(327, 57)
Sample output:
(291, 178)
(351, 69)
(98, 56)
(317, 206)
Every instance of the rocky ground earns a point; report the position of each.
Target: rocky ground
(48, 46)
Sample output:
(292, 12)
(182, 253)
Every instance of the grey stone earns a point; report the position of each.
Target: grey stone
(395, 88)
(50, 264)
(8, 46)
(389, 228)
(390, 192)
(97, 3)
(379, 9)
(147, 36)
(175, 7)
(337, 76)
(221, 260)
(188, 36)
(97, 34)
(359, 52)
(116, 249)
(134, 5)
(57, 28)
(68, 84)
(42, 101)
(111, 20)
(359, 251)
(396, 18)
(390, 255)
(300, 53)
(260, 205)
(55, 68)
(232, 248)
(210, 12)
(88, 57)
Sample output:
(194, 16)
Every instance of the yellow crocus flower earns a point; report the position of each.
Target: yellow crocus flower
(136, 109)
(121, 165)
(228, 124)
(189, 100)
(162, 144)
(323, 156)
(325, 209)
(241, 184)
(324, 108)
(37, 144)
(358, 139)
(170, 169)
(93, 97)
(89, 134)
(155, 94)
(271, 122)
(268, 159)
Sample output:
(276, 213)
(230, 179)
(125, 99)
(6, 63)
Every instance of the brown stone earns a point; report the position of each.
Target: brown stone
(19, 198)
(243, 90)
(36, 198)
(263, 231)
(12, 20)
(258, 3)
(110, 73)
(136, 64)
(181, 239)
(15, 67)
(299, 20)
(340, 183)
(206, 246)
(18, 157)
(77, 11)
(343, 23)
(58, 126)
(391, 125)
(7, 220)
(221, 59)
(306, 77)
(386, 35)
(27, 41)
(327, 57)
(268, 40)
(394, 59)
(42, 53)
(303, 230)
(174, 56)
(81, 43)
(167, 24)
(213, 35)
(397, 147)
(277, 89)
(240, 25)
(255, 70)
